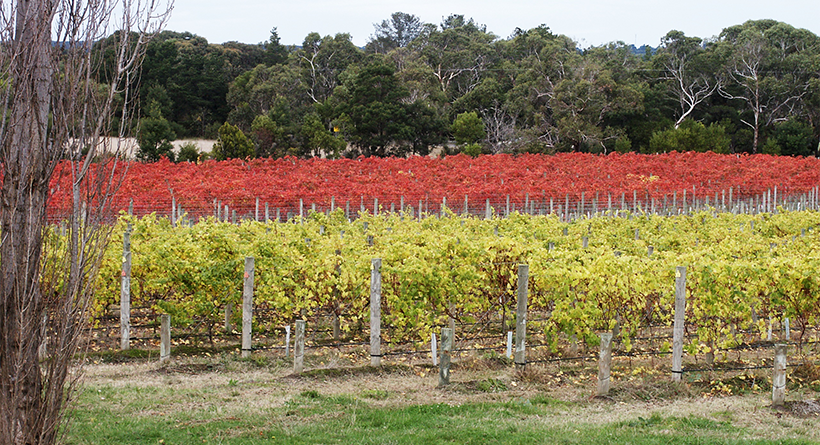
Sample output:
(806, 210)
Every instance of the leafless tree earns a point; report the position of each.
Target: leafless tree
(54, 114)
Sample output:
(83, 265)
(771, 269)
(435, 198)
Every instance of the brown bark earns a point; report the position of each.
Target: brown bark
(49, 109)
(27, 165)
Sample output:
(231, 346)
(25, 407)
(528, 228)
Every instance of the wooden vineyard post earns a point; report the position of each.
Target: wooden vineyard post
(677, 332)
(526, 203)
(165, 338)
(566, 208)
(444, 362)
(247, 307)
(125, 291)
(336, 327)
(299, 348)
(336, 316)
(604, 364)
(787, 329)
(779, 376)
(228, 316)
(433, 349)
(287, 341)
(375, 311)
(521, 317)
(774, 203)
(769, 335)
(582, 208)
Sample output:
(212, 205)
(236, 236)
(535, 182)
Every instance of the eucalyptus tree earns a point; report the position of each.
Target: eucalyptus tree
(277, 91)
(583, 101)
(322, 60)
(397, 32)
(689, 70)
(416, 76)
(537, 60)
(458, 54)
(768, 69)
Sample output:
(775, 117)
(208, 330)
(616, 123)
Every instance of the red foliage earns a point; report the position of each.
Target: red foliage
(281, 183)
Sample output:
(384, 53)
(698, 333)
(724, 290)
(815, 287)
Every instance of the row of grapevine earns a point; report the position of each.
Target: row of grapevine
(568, 182)
(587, 276)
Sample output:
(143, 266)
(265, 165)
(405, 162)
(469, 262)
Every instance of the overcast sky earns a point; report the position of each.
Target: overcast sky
(589, 22)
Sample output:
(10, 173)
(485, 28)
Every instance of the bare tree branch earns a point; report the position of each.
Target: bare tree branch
(54, 108)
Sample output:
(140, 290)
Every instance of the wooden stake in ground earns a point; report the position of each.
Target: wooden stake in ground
(779, 376)
(165, 338)
(433, 349)
(125, 291)
(299, 348)
(287, 341)
(444, 363)
(677, 332)
(228, 316)
(247, 307)
(604, 364)
(521, 317)
(375, 311)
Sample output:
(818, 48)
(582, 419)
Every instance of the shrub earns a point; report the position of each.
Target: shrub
(691, 136)
(232, 143)
(468, 128)
(188, 152)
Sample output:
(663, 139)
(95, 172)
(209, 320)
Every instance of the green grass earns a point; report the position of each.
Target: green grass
(222, 414)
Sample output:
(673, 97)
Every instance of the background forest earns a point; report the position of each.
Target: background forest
(754, 88)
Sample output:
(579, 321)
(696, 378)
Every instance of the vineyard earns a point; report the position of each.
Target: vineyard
(746, 274)
(568, 183)
(450, 236)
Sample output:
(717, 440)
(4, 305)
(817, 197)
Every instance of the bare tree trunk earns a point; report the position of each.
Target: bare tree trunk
(51, 106)
(27, 167)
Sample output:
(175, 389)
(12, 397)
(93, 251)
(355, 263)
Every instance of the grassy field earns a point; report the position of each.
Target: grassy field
(221, 399)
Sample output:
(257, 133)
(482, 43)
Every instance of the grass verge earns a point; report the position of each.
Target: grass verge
(238, 402)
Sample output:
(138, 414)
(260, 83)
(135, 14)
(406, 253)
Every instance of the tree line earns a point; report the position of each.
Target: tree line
(754, 88)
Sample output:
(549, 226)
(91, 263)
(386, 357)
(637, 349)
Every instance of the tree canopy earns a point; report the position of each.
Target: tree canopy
(756, 83)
